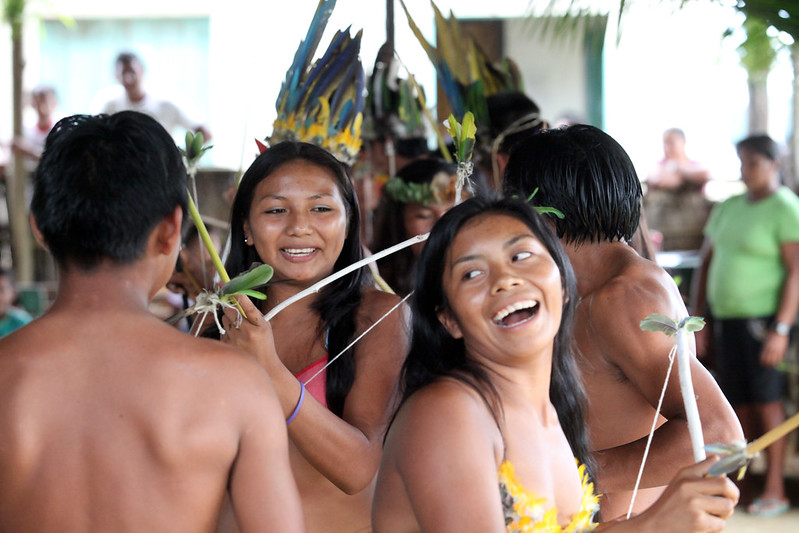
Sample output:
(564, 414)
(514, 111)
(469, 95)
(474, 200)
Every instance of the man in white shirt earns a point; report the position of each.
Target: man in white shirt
(130, 74)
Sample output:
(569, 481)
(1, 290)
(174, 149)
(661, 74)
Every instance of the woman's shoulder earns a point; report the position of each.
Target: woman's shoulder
(376, 303)
(447, 403)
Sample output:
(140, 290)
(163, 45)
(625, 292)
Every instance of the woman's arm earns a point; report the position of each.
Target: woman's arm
(776, 344)
(345, 450)
(699, 296)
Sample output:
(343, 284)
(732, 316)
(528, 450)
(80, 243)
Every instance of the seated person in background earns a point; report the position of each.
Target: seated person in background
(491, 417)
(11, 318)
(587, 176)
(410, 204)
(112, 420)
(675, 204)
(676, 170)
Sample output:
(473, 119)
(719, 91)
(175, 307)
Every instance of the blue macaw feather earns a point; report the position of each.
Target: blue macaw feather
(329, 73)
(450, 87)
(344, 117)
(345, 85)
(336, 68)
(320, 65)
(359, 84)
(306, 51)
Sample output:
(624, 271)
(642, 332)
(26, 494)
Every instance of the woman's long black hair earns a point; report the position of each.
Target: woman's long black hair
(434, 353)
(337, 304)
(399, 268)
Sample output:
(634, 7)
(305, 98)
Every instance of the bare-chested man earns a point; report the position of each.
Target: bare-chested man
(110, 419)
(588, 176)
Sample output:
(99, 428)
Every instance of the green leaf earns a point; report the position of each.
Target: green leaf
(469, 129)
(252, 294)
(658, 322)
(549, 211)
(452, 128)
(255, 277)
(692, 323)
(189, 139)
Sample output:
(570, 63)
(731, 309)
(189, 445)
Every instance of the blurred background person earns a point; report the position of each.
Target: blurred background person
(11, 317)
(675, 203)
(30, 145)
(749, 278)
(129, 70)
(411, 203)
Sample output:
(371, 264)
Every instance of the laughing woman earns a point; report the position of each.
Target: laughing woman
(296, 210)
(491, 419)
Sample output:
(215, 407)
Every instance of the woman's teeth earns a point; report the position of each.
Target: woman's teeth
(528, 308)
(299, 251)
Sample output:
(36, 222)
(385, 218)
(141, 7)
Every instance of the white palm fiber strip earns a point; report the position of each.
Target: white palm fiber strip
(316, 287)
(359, 337)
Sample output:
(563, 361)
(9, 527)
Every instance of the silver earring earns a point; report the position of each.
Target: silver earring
(245, 240)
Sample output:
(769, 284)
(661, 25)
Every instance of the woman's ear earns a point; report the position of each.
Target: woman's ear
(450, 323)
(247, 235)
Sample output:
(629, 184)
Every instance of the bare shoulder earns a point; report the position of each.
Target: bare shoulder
(376, 303)
(638, 288)
(612, 315)
(391, 321)
(225, 363)
(445, 410)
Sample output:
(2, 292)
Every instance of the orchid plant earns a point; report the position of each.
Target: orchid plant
(464, 136)
(225, 295)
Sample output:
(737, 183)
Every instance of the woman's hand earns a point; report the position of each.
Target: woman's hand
(252, 334)
(692, 502)
(774, 349)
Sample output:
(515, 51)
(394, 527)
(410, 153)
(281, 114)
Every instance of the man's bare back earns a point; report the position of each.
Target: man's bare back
(110, 419)
(120, 423)
(627, 369)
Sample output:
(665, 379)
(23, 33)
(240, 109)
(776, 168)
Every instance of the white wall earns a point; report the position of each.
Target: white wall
(672, 69)
(553, 71)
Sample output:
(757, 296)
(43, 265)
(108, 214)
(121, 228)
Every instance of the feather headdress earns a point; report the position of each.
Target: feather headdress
(393, 109)
(321, 103)
(465, 72)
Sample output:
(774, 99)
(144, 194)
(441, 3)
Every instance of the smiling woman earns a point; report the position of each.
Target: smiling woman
(296, 210)
(490, 433)
(411, 203)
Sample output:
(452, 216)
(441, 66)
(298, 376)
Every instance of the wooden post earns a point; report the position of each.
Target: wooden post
(390, 24)
(21, 237)
(794, 148)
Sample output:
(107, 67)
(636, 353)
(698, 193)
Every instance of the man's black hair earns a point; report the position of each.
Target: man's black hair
(103, 183)
(585, 174)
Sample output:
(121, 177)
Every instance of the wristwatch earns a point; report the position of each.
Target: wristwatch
(782, 328)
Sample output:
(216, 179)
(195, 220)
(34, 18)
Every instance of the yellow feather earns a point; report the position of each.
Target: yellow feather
(431, 51)
(448, 34)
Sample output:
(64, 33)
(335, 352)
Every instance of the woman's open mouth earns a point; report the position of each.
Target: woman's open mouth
(516, 313)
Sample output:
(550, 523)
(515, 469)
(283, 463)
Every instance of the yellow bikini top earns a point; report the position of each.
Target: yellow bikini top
(525, 513)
